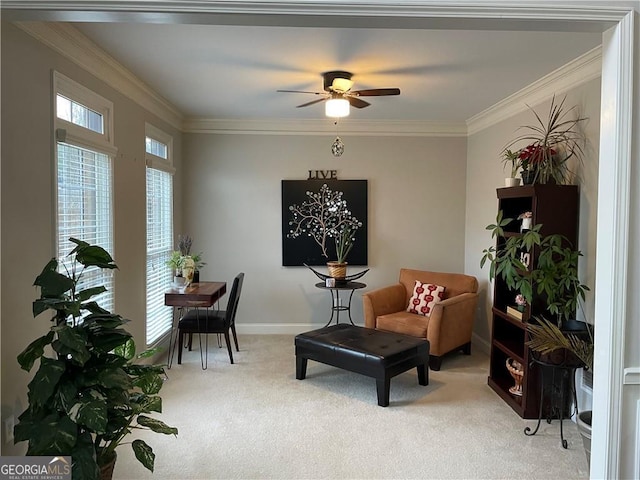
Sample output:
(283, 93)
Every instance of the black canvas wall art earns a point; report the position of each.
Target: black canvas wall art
(321, 211)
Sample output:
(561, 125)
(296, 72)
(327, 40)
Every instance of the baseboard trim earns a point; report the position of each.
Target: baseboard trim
(274, 328)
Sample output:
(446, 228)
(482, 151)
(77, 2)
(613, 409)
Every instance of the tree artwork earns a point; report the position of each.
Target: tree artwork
(323, 221)
(324, 215)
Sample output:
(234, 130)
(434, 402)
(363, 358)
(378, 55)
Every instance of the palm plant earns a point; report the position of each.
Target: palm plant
(546, 337)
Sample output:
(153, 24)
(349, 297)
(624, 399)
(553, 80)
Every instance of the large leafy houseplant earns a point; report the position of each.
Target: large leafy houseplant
(89, 394)
(554, 277)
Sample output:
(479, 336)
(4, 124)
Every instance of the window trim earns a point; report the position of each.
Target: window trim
(71, 133)
(153, 161)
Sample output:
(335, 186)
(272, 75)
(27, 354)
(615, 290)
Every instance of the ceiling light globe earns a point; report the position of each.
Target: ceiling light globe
(337, 107)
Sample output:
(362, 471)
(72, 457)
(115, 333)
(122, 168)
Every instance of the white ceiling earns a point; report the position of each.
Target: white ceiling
(233, 72)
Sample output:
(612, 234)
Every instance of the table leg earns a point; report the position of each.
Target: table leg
(527, 430)
(333, 302)
(204, 355)
(173, 341)
(349, 307)
(561, 411)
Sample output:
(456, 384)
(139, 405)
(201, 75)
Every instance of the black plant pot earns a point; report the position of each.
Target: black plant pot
(527, 177)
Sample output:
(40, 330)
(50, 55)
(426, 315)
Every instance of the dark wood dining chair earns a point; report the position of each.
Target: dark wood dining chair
(207, 321)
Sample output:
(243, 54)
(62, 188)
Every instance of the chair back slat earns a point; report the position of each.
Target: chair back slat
(234, 299)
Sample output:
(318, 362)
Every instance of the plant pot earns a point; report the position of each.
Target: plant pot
(337, 270)
(527, 177)
(511, 182)
(584, 427)
(106, 470)
(179, 282)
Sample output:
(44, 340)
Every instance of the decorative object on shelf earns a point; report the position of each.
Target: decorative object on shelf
(513, 159)
(526, 219)
(515, 369)
(87, 397)
(550, 145)
(520, 309)
(521, 302)
(188, 269)
(554, 276)
(515, 313)
(324, 221)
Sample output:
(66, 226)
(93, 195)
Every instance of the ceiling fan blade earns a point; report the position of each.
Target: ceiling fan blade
(300, 91)
(312, 102)
(376, 92)
(356, 102)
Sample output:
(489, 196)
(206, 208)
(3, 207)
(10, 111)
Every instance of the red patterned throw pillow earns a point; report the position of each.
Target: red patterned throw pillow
(425, 296)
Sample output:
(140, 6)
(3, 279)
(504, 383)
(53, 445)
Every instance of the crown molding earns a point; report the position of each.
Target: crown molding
(324, 126)
(71, 43)
(582, 16)
(581, 70)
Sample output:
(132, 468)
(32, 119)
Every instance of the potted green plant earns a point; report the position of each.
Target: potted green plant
(344, 241)
(550, 145)
(175, 262)
(90, 394)
(190, 263)
(554, 277)
(512, 160)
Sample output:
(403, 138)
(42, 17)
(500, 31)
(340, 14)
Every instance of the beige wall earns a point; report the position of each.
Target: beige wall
(232, 205)
(28, 192)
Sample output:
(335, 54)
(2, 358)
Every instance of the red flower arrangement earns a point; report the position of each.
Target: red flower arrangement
(533, 154)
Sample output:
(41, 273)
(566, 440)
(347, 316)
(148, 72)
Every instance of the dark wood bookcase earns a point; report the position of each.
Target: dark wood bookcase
(556, 208)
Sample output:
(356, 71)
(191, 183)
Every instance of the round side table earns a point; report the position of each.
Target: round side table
(336, 306)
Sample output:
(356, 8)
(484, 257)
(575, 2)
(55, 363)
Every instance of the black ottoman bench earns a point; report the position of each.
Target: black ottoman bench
(370, 352)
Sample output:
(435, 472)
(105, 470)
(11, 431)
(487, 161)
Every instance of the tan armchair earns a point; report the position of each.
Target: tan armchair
(448, 327)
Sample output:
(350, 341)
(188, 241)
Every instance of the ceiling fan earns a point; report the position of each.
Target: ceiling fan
(337, 89)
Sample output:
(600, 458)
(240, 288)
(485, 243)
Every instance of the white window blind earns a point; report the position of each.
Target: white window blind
(84, 186)
(159, 248)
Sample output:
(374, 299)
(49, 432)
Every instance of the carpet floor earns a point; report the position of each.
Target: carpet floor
(254, 420)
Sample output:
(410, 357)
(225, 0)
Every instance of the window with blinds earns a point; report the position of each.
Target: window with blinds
(84, 180)
(159, 235)
(84, 212)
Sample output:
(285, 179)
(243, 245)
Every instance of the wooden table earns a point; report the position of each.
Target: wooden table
(196, 295)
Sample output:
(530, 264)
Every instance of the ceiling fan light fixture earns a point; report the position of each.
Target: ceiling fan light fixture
(337, 107)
